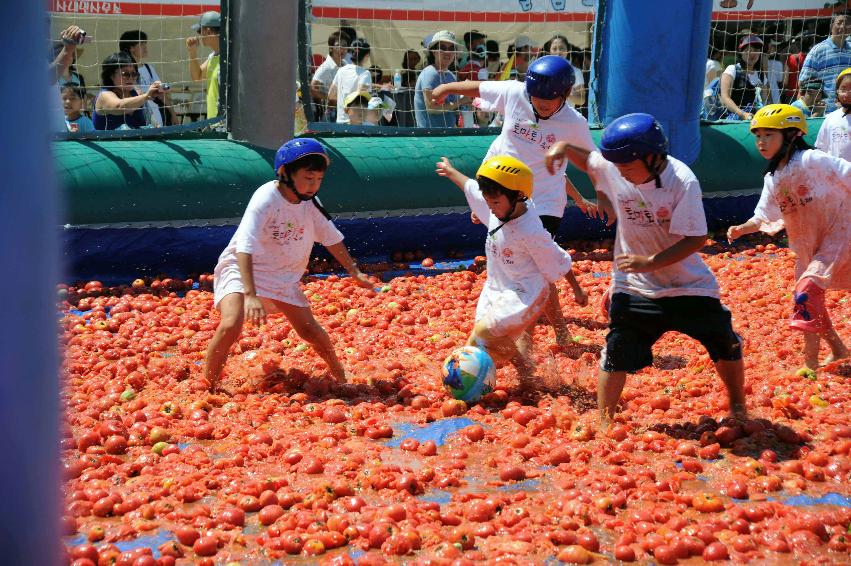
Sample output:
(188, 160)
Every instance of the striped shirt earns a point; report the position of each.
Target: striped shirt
(825, 61)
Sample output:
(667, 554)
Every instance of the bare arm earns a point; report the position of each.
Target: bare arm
(444, 168)
(749, 227)
(562, 150)
(469, 89)
(724, 94)
(341, 254)
(669, 256)
(254, 311)
(196, 70)
(109, 103)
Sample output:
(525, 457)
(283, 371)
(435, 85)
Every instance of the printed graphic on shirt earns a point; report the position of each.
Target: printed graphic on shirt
(506, 257)
(288, 232)
(636, 211)
(789, 200)
(530, 132)
(840, 134)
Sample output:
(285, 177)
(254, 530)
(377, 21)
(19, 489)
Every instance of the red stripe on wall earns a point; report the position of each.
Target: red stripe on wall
(97, 8)
(453, 16)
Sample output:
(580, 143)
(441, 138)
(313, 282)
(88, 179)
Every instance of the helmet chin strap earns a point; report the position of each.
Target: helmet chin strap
(283, 178)
(505, 219)
(653, 168)
(538, 117)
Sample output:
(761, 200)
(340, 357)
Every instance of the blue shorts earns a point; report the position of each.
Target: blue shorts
(636, 323)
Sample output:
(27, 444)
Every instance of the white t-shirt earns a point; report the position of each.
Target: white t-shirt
(578, 81)
(147, 75)
(651, 220)
(528, 140)
(753, 76)
(349, 78)
(712, 66)
(279, 236)
(522, 260)
(326, 72)
(811, 198)
(774, 77)
(834, 137)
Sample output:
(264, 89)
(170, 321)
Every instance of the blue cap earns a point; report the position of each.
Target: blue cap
(295, 149)
(631, 137)
(549, 77)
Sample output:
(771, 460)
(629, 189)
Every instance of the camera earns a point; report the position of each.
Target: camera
(165, 86)
(83, 39)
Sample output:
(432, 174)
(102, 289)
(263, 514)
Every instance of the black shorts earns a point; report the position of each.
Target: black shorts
(551, 224)
(636, 323)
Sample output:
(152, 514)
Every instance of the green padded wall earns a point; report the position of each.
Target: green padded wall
(168, 180)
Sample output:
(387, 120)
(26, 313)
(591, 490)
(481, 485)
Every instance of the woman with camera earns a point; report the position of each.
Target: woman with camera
(118, 105)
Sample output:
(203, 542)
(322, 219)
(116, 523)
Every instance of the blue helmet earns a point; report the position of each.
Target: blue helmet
(631, 137)
(296, 149)
(549, 77)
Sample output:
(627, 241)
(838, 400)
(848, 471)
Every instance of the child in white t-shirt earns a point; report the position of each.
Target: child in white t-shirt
(808, 193)
(834, 137)
(660, 283)
(260, 269)
(536, 116)
(523, 259)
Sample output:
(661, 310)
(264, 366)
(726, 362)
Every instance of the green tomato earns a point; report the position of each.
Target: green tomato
(159, 447)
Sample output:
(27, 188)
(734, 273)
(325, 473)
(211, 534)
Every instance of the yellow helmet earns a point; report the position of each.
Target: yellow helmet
(509, 172)
(844, 73)
(779, 117)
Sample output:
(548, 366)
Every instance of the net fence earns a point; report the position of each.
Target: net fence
(132, 65)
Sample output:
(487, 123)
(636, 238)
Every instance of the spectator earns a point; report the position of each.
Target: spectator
(70, 75)
(442, 49)
(475, 69)
(207, 29)
(775, 73)
(350, 78)
(410, 61)
(560, 46)
(713, 67)
(159, 110)
(338, 48)
(493, 62)
(376, 75)
(355, 107)
(71, 37)
(522, 51)
(72, 104)
(828, 58)
(472, 39)
(794, 62)
(118, 105)
(811, 101)
(742, 86)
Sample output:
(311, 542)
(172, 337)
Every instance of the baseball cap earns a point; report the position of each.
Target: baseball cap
(353, 96)
(208, 20)
(812, 84)
(473, 35)
(442, 35)
(750, 40)
(522, 42)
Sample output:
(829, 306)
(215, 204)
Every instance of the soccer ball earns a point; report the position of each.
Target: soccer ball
(469, 373)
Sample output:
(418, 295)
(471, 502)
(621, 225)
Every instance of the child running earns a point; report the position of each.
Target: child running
(522, 260)
(260, 269)
(660, 283)
(536, 116)
(808, 193)
(834, 137)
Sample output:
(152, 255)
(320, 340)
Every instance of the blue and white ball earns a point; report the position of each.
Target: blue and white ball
(469, 374)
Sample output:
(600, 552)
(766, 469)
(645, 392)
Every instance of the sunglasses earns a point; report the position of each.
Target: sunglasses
(129, 74)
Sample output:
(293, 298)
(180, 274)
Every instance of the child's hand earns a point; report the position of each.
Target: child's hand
(629, 263)
(444, 168)
(734, 233)
(254, 311)
(580, 296)
(362, 280)
(474, 219)
(439, 94)
(555, 157)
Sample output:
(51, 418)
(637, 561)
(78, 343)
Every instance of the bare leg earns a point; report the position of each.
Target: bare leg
(503, 348)
(523, 361)
(811, 350)
(231, 307)
(838, 350)
(732, 373)
(609, 389)
(309, 329)
(556, 317)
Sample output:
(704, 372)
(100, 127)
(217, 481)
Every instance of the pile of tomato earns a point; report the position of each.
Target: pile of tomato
(293, 468)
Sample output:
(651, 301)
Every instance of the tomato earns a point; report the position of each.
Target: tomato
(624, 553)
(707, 503)
(511, 472)
(715, 551)
(269, 514)
(574, 554)
(206, 546)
